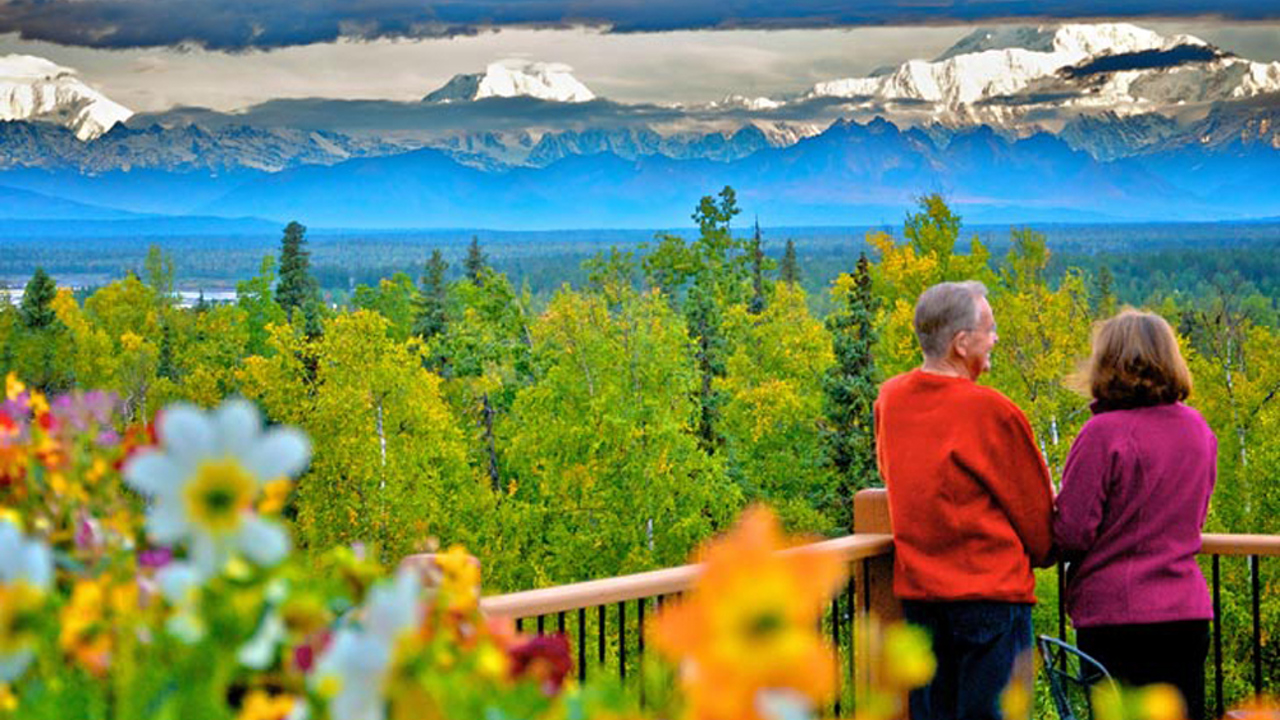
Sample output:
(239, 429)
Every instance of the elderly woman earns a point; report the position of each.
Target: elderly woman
(1135, 492)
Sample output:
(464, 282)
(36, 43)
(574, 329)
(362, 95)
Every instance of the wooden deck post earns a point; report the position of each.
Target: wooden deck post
(873, 582)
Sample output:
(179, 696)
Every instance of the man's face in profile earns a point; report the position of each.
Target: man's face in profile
(974, 346)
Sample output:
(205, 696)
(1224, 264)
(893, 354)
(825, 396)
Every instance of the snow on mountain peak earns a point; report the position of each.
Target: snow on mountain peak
(515, 77)
(32, 88)
(1000, 76)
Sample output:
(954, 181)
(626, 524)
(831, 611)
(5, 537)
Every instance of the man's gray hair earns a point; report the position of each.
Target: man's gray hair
(944, 310)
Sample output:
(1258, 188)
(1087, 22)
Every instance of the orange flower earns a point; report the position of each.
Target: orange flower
(750, 623)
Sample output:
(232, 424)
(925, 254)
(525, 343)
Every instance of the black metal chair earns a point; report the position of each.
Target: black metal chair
(1072, 676)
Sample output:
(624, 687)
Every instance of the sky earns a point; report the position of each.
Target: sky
(231, 54)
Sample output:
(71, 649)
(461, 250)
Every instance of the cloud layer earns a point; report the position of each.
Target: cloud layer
(235, 25)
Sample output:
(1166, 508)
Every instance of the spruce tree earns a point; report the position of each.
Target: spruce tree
(36, 309)
(789, 272)
(850, 389)
(159, 272)
(165, 367)
(1103, 297)
(297, 288)
(476, 262)
(756, 253)
(429, 318)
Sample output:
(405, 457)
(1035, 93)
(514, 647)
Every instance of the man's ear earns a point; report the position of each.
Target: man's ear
(959, 348)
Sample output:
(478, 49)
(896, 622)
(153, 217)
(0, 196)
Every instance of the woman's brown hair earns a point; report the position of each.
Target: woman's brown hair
(1135, 363)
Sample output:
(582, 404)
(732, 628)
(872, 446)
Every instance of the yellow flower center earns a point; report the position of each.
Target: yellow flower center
(220, 494)
(762, 626)
(19, 612)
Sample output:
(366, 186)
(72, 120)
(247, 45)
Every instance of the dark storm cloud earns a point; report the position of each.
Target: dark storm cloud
(248, 24)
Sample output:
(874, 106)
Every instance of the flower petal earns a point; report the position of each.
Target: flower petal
(265, 543)
(12, 664)
(152, 472)
(186, 433)
(178, 582)
(393, 609)
(238, 424)
(260, 650)
(282, 451)
(35, 565)
(167, 522)
(207, 554)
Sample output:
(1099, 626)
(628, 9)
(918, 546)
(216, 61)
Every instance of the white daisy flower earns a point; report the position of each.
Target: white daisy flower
(352, 672)
(205, 477)
(26, 573)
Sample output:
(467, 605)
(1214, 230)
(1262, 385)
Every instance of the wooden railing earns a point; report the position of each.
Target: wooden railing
(657, 583)
(869, 552)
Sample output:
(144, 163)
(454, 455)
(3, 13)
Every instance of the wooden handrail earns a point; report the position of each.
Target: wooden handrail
(678, 579)
(1223, 544)
(657, 582)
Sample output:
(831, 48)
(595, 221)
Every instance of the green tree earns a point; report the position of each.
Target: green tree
(790, 270)
(36, 309)
(906, 269)
(476, 262)
(604, 476)
(297, 288)
(850, 387)
(431, 316)
(1044, 334)
(389, 467)
(1102, 299)
(772, 409)
(255, 297)
(158, 268)
(756, 253)
(393, 299)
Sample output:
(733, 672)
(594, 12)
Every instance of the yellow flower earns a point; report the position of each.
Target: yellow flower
(39, 403)
(274, 495)
(8, 701)
(85, 633)
(460, 585)
(304, 614)
(13, 387)
(96, 471)
(1161, 702)
(20, 603)
(219, 495)
(750, 623)
(908, 656)
(258, 705)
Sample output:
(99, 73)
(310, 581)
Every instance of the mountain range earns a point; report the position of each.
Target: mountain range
(1086, 122)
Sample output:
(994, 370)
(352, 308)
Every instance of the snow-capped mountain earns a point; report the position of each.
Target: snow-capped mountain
(515, 78)
(1002, 77)
(33, 88)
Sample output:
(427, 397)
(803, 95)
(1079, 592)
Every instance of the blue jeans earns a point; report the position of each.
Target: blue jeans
(976, 644)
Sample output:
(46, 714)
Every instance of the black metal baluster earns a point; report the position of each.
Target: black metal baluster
(519, 624)
(600, 635)
(835, 643)
(1257, 625)
(582, 644)
(541, 629)
(560, 622)
(640, 644)
(1062, 605)
(622, 639)
(1217, 637)
(640, 627)
(851, 594)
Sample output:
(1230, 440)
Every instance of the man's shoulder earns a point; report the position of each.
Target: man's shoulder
(991, 400)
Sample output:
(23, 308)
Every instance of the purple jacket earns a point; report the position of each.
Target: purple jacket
(1135, 492)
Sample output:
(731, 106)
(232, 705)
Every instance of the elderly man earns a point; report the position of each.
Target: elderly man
(971, 505)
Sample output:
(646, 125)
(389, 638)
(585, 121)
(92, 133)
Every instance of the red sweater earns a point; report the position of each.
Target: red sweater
(969, 494)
